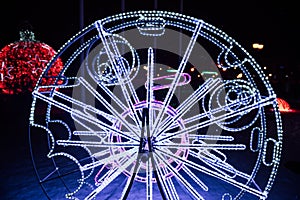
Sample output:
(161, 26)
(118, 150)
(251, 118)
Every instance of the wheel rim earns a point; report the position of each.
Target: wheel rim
(172, 128)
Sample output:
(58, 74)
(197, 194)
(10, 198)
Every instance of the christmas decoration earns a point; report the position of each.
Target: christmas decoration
(22, 62)
(283, 105)
(139, 123)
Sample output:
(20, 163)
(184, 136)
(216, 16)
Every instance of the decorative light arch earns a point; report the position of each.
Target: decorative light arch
(134, 121)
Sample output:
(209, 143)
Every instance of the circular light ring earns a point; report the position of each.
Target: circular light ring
(237, 107)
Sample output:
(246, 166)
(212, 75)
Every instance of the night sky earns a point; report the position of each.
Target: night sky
(275, 24)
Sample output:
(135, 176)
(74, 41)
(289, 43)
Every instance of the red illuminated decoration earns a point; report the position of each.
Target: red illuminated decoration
(22, 62)
(283, 105)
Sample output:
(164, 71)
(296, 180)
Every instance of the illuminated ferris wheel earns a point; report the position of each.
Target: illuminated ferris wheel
(155, 105)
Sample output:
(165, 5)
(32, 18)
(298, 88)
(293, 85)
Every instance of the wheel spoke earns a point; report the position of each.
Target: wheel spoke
(107, 105)
(109, 159)
(162, 180)
(187, 185)
(216, 174)
(80, 115)
(113, 174)
(211, 137)
(170, 186)
(191, 174)
(150, 95)
(88, 109)
(116, 99)
(205, 146)
(95, 144)
(134, 170)
(203, 90)
(222, 117)
(195, 178)
(118, 65)
(149, 184)
(178, 75)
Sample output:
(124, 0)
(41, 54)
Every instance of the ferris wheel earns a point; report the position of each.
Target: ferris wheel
(155, 105)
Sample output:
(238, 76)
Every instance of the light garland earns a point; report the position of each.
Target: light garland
(122, 123)
(22, 62)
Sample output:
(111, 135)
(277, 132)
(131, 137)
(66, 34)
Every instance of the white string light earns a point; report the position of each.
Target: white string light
(138, 135)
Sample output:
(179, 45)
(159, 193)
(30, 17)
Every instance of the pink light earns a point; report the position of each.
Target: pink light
(186, 79)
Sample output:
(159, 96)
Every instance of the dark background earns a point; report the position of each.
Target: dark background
(274, 24)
